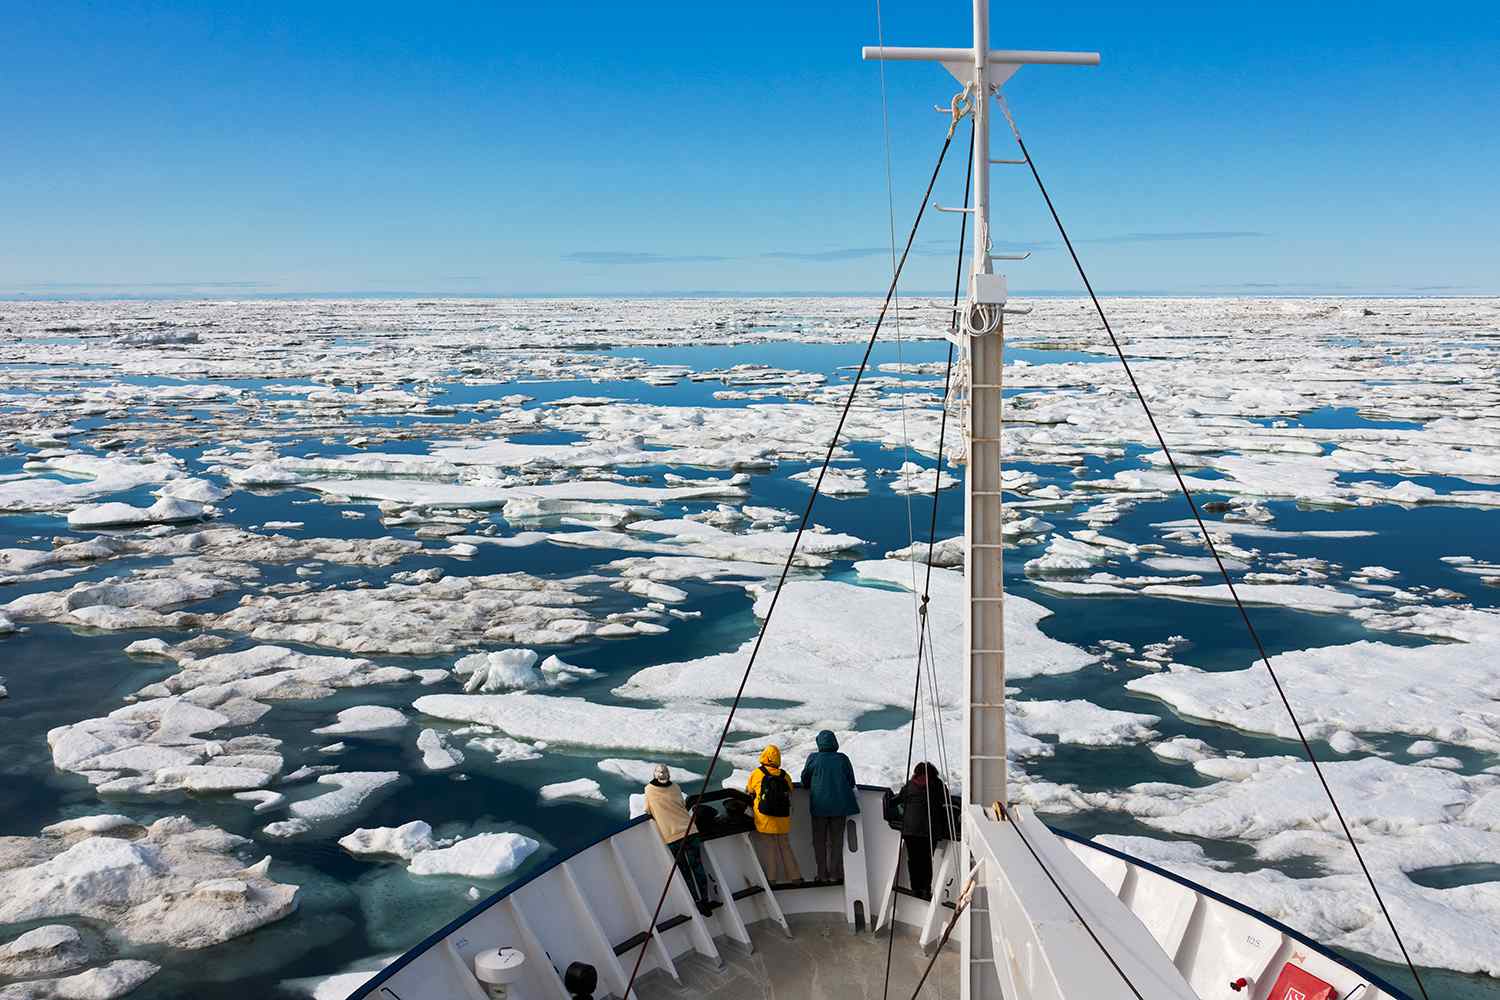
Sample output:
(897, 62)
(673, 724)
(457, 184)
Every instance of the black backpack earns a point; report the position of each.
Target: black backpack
(891, 810)
(775, 797)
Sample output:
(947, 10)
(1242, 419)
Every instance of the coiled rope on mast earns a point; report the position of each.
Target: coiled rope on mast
(833, 443)
(1213, 549)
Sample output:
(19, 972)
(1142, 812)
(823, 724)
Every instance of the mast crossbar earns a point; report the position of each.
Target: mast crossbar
(1006, 57)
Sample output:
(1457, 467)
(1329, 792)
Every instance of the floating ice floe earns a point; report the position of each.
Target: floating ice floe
(152, 747)
(1458, 624)
(1079, 723)
(193, 490)
(437, 755)
(271, 673)
(45, 951)
(350, 791)
(1411, 494)
(1439, 692)
(404, 841)
(264, 800)
(641, 771)
(364, 719)
(159, 743)
(694, 538)
(1304, 598)
(167, 510)
(340, 985)
(503, 749)
(173, 882)
(837, 482)
(1205, 565)
(651, 590)
(1183, 749)
(482, 495)
(948, 552)
(914, 478)
(1071, 556)
(104, 982)
(842, 649)
(575, 722)
(881, 755)
(145, 599)
(97, 476)
(484, 855)
(579, 789)
(515, 670)
(421, 619)
(1405, 818)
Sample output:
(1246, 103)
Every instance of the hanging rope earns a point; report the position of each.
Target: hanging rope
(786, 568)
(932, 537)
(1213, 549)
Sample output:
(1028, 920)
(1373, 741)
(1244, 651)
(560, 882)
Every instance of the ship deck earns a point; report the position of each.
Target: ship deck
(823, 960)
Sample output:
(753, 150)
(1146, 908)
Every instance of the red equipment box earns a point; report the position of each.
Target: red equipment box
(1295, 984)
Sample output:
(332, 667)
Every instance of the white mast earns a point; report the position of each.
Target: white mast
(981, 337)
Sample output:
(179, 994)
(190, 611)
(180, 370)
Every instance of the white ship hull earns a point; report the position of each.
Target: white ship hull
(1169, 936)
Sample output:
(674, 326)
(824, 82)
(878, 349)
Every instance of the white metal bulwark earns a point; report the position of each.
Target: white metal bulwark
(983, 71)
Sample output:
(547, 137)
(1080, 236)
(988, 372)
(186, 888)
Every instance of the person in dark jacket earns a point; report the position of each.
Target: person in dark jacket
(926, 821)
(829, 778)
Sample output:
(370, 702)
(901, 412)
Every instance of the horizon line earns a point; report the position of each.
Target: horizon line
(1046, 293)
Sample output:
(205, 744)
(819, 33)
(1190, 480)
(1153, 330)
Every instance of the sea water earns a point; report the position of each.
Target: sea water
(352, 910)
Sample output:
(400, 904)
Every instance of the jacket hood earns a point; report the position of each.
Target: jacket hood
(827, 742)
(771, 756)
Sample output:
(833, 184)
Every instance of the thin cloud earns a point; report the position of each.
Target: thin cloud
(845, 253)
(636, 257)
(79, 285)
(1204, 234)
(922, 248)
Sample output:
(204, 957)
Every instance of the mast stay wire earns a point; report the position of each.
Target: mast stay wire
(786, 568)
(890, 203)
(1214, 551)
(924, 633)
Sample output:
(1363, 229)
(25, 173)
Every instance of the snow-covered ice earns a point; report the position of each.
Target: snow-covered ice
(437, 755)
(364, 719)
(1441, 692)
(484, 855)
(580, 789)
(172, 882)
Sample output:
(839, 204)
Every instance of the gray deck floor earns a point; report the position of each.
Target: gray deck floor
(821, 961)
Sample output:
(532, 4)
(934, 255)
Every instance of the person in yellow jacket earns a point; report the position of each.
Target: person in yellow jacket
(770, 791)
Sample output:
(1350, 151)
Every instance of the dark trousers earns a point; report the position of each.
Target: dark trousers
(690, 860)
(828, 846)
(919, 865)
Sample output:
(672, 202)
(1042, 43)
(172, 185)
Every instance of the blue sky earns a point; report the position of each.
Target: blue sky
(661, 147)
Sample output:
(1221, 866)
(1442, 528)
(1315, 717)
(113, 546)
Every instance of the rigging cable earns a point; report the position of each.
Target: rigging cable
(890, 208)
(931, 542)
(786, 568)
(1213, 549)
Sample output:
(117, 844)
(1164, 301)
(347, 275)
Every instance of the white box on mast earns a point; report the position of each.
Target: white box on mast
(988, 289)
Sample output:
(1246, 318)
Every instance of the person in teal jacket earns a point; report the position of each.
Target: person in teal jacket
(829, 778)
